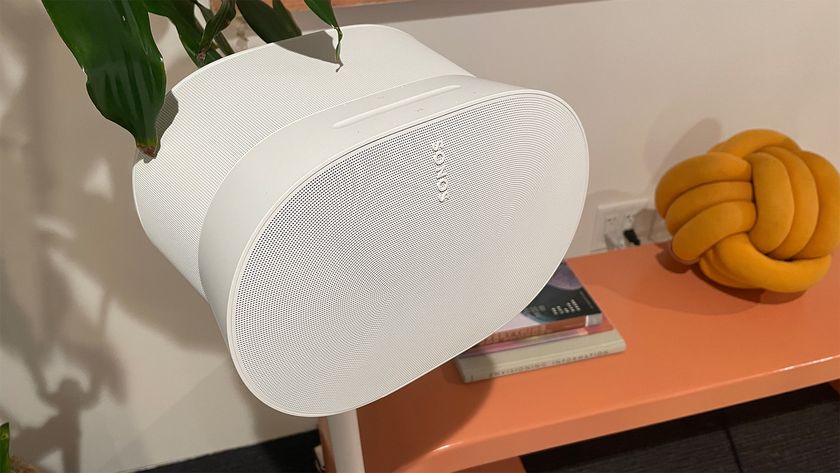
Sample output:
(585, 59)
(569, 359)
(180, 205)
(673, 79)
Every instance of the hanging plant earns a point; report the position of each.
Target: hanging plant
(126, 80)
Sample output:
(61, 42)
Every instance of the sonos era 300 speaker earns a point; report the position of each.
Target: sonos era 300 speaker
(354, 227)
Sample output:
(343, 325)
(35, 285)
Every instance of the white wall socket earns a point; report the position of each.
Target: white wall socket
(614, 218)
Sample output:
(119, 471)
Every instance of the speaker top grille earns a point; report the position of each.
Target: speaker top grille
(363, 280)
(217, 114)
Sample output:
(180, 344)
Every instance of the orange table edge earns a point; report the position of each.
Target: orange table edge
(692, 346)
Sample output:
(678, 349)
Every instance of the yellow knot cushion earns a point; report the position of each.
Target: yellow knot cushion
(756, 211)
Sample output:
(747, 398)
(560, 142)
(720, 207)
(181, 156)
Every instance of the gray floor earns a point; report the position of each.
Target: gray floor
(793, 432)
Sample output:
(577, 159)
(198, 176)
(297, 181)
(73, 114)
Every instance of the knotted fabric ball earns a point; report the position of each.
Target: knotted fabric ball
(756, 211)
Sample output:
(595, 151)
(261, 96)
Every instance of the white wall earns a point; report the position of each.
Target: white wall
(110, 361)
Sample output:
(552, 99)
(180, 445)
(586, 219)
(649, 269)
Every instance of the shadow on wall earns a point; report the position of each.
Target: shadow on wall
(662, 152)
(72, 250)
(18, 336)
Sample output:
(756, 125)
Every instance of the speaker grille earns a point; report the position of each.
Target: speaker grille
(362, 280)
(222, 110)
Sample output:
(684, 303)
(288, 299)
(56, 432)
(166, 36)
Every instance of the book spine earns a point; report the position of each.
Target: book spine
(530, 365)
(602, 325)
(536, 330)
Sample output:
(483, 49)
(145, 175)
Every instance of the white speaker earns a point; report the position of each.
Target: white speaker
(354, 227)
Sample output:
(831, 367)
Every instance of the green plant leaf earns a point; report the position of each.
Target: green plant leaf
(182, 14)
(220, 39)
(285, 16)
(324, 10)
(112, 42)
(220, 20)
(5, 456)
(270, 24)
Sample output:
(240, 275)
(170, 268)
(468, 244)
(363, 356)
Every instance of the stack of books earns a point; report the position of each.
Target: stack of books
(562, 325)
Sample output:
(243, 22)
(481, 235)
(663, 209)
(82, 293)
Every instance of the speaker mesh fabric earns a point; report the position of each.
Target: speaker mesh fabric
(217, 114)
(361, 270)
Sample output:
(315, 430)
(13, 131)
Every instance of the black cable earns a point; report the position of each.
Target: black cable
(631, 236)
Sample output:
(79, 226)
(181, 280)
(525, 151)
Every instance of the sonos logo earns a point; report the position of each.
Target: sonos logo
(440, 171)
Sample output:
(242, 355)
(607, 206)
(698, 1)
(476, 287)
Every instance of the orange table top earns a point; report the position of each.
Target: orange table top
(691, 347)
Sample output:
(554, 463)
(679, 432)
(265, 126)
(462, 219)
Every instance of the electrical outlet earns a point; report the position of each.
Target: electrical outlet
(614, 218)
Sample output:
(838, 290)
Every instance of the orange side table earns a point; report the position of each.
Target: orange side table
(691, 347)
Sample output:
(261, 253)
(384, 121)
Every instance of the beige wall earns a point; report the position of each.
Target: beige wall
(110, 361)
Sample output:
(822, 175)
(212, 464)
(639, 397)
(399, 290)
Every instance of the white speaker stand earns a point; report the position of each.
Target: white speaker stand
(346, 442)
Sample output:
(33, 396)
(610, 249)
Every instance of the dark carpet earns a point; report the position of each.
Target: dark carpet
(288, 454)
(793, 432)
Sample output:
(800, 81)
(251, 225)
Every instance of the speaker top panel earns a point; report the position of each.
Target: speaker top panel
(405, 251)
